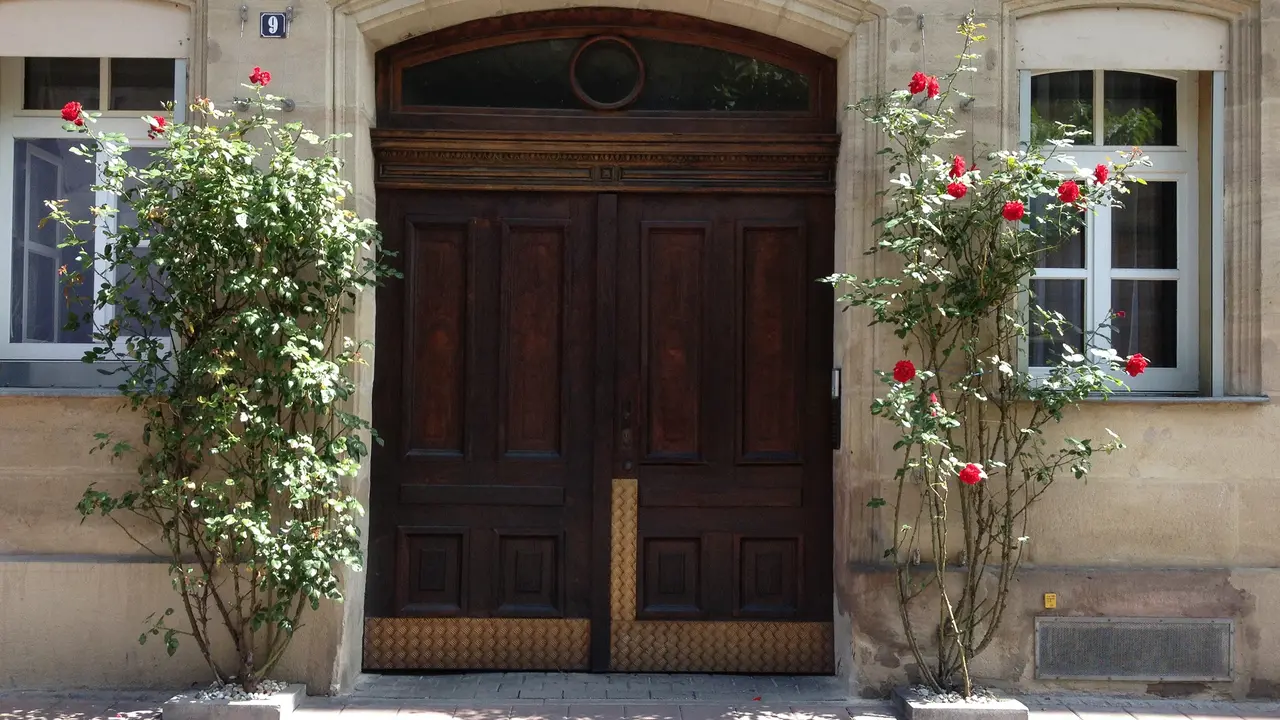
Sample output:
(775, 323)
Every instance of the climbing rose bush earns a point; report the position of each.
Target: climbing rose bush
(970, 418)
(228, 296)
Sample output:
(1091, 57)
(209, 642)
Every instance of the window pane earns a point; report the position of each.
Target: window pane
(1150, 322)
(692, 78)
(1144, 233)
(140, 291)
(42, 298)
(41, 302)
(144, 84)
(51, 83)
(1140, 109)
(138, 158)
(537, 74)
(1061, 97)
(529, 74)
(1061, 296)
(143, 283)
(1064, 248)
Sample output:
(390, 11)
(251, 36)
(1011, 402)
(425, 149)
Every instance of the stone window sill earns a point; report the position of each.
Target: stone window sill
(58, 392)
(1158, 399)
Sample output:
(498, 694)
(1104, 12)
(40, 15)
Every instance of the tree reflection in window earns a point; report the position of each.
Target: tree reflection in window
(692, 78)
(1138, 109)
(537, 75)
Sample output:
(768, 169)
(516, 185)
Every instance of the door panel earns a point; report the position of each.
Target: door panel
(481, 496)
(724, 351)
(606, 426)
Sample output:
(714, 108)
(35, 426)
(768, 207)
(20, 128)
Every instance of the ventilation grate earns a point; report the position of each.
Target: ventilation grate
(1150, 649)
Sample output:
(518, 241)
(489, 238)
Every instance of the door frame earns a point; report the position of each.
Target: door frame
(603, 154)
(427, 161)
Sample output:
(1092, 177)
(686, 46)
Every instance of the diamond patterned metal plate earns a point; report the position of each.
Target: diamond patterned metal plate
(476, 644)
(695, 646)
(635, 645)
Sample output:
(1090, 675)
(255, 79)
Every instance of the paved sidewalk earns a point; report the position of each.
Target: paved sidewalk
(524, 687)
(581, 696)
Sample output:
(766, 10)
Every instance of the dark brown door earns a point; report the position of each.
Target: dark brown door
(481, 494)
(724, 384)
(603, 411)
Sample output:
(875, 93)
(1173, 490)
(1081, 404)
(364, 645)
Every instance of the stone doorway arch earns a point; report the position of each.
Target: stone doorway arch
(597, 454)
(848, 30)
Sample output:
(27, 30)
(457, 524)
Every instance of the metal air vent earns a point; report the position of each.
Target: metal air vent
(1148, 649)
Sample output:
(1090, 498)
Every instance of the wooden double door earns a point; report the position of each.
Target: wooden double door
(607, 433)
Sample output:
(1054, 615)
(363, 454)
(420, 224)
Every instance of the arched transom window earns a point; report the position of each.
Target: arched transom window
(604, 66)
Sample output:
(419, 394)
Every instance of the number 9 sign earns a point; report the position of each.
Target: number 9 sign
(273, 25)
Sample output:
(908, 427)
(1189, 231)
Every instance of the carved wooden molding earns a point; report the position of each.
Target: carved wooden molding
(412, 159)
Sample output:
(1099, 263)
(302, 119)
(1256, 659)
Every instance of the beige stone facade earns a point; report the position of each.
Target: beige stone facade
(1179, 525)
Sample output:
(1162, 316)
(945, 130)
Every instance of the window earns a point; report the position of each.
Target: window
(36, 156)
(607, 72)
(1142, 259)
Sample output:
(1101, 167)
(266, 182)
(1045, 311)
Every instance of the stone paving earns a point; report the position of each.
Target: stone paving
(547, 687)
(581, 696)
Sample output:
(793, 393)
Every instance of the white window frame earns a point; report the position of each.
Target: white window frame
(30, 247)
(18, 123)
(1180, 164)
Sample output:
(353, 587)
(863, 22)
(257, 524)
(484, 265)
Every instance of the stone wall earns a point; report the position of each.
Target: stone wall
(1178, 525)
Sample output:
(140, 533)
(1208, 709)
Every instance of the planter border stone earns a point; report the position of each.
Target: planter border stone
(909, 706)
(277, 706)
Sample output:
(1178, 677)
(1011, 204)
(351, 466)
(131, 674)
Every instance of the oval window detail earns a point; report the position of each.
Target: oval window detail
(607, 73)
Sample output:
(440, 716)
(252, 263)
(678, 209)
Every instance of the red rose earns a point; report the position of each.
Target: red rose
(957, 166)
(1120, 314)
(1101, 173)
(157, 127)
(260, 77)
(1136, 364)
(933, 404)
(971, 474)
(932, 88)
(918, 83)
(904, 371)
(71, 112)
(1013, 211)
(1069, 192)
(957, 190)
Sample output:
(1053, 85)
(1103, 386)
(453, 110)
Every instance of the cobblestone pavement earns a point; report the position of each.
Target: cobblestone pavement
(573, 696)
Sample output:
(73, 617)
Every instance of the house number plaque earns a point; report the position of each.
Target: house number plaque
(274, 24)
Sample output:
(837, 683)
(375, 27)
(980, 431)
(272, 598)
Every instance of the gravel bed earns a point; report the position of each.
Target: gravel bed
(233, 691)
(921, 693)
